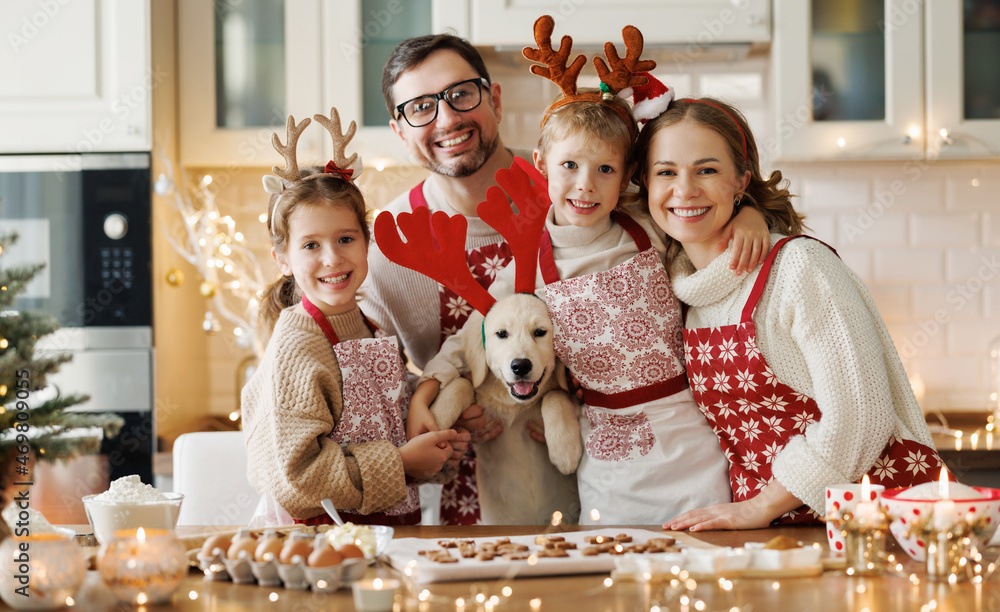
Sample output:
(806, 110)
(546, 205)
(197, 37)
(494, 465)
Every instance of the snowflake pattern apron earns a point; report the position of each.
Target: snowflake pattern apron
(755, 415)
(375, 400)
(649, 455)
(460, 496)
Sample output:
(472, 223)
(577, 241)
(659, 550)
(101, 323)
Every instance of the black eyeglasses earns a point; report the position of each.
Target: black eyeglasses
(461, 97)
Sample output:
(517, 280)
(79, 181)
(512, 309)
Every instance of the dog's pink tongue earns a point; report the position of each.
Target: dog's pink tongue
(523, 388)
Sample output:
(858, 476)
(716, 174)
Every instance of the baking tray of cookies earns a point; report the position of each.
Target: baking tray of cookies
(578, 552)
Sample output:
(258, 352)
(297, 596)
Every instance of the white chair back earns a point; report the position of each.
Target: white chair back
(210, 469)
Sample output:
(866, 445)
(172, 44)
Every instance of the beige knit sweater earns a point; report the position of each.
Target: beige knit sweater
(290, 406)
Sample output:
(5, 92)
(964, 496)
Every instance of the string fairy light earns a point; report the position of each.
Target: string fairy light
(233, 280)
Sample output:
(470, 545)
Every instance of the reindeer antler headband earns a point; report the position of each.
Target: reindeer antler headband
(435, 243)
(617, 75)
(348, 168)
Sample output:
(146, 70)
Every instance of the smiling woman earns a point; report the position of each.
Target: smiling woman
(791, 364)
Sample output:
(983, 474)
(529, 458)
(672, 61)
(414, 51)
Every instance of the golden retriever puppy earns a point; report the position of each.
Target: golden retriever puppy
(516, 378)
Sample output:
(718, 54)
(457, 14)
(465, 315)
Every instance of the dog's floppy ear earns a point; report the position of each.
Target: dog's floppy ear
(474, 339)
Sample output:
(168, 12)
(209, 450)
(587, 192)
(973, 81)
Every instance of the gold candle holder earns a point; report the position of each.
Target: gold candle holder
(143, 566)
(865, 531)
(946, 554)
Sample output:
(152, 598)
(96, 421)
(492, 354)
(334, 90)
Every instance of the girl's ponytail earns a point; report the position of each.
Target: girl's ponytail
(279, 296)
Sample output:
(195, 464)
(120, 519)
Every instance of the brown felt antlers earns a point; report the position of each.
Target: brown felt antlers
(616, 75)
(555, 68)
(622, 73)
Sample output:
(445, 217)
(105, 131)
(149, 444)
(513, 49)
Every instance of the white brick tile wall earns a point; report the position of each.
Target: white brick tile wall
(991, 303)
(991, 230)
(823, 226)
(908, 266)
(838, 193)
(862, 229)
(929, 301)
(894, 303)
(913, 190)
(918, 340)
(971, 338)
(970, 188)
(972, 269)
(944, 229)
(859, 261)
(963, 374)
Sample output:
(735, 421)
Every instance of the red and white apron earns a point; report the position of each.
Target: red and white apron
(649, 454)
(375, 400)
(755, 415)
(460, 496)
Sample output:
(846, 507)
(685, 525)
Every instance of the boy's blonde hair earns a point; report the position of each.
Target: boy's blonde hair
(313, 188)
(599, 123)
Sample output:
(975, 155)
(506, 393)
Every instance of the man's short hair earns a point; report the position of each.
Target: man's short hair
(414, 51)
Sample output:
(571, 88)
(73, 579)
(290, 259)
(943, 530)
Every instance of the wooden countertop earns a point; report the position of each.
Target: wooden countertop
(834, 590)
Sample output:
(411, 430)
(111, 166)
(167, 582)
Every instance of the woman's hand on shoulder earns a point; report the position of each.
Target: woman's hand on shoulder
(751, 240)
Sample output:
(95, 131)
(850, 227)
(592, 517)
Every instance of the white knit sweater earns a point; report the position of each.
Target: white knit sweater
(819, 331)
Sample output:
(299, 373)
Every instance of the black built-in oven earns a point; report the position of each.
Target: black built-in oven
(90, 221)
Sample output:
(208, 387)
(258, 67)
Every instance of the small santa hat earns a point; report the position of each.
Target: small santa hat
(649, 101)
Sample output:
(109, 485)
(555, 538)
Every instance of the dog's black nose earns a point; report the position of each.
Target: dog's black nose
(520, 367)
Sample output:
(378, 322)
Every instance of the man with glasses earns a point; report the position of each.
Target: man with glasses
(446, 110)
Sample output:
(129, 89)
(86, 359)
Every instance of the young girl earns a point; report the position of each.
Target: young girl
(323, 413)
(792, 365)
(649, 454)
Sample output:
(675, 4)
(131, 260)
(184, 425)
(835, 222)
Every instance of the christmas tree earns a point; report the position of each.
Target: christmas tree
(31, 428)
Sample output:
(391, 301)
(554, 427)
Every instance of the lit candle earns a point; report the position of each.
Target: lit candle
(945, 516)
(864, 511)
(376, 595)
(143, 566)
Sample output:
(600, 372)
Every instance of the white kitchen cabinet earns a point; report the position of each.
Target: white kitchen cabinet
(246, 65)
(963, 79)
(856, 79)
(76, 76)
(592, 22)
(847, 80)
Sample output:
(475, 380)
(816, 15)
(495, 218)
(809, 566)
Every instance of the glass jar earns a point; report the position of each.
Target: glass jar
(143, 566)
(39, 572)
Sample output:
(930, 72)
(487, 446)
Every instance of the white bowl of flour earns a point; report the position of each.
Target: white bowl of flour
(130, 504)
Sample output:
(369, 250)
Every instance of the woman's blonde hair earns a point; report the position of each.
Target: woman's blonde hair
(598, 123)
(768, 195)
(313, 188)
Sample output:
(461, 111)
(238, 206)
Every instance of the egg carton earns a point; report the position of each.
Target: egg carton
(270, 573)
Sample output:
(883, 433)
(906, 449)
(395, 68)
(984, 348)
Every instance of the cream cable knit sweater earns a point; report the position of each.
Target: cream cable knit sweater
(819, 330)
(291, 404)
(577, 251)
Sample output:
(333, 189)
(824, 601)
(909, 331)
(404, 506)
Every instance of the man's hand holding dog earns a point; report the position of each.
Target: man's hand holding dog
(473, 420)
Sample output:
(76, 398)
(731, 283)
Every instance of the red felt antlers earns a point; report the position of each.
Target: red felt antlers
(435, 243)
